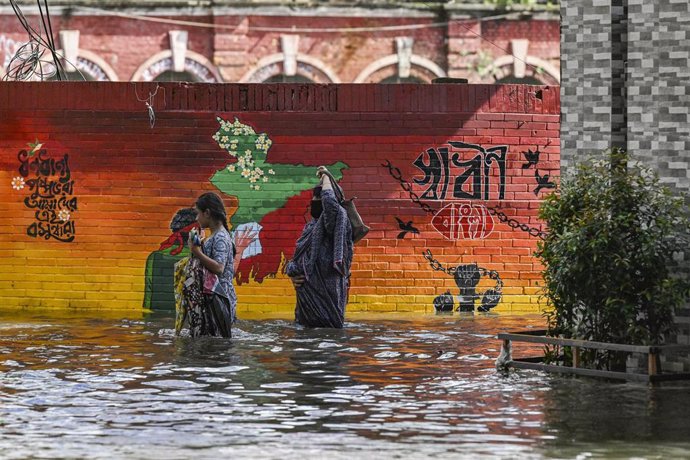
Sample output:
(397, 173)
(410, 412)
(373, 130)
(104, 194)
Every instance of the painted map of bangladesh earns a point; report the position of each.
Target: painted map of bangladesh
(262, 188)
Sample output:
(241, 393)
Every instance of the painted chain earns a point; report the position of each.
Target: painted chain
(512, 223)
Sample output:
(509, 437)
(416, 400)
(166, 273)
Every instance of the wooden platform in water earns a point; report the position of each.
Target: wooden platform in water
(653, 353)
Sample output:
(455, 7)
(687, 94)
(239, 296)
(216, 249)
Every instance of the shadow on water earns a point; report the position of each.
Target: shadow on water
(413, 386)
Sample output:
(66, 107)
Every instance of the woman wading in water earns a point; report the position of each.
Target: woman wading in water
(204, 290)
(320, 268)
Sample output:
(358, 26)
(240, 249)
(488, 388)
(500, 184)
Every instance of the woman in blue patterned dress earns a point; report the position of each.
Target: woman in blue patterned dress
(214, 309)
(320, 268)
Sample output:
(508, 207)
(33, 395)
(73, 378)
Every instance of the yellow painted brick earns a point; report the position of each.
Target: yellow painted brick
(421, 291)
(365, 299)
(10, 292)
(424, 299)
(398, 299)
(408, 307)
(23, 284)
(116, 304)
(381, 307)
(358, 307)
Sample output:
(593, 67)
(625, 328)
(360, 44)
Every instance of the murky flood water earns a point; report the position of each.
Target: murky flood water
(415, 387)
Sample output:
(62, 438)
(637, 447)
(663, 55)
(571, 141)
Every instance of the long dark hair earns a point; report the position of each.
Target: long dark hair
(211, 202)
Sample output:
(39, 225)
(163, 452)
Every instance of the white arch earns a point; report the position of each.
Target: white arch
(191, 55)
(280, 57)
(508, 59)
(392, 60)
(96, 59)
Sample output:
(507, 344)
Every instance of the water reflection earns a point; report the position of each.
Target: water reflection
(414, 387)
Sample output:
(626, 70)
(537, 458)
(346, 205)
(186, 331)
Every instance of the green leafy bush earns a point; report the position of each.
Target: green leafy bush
(613, 232)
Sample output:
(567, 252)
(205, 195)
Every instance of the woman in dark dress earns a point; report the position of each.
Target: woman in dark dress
(320, 268)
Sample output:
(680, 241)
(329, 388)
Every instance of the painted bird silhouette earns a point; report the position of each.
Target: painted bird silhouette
(406, 228)
(543, 182)
(531, 157)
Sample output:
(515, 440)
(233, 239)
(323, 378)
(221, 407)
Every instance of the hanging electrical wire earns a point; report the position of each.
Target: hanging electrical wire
(37, 59)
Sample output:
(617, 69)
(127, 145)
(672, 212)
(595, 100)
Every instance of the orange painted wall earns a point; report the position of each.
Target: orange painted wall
(131, 173)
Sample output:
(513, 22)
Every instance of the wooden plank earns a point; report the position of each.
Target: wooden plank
(576, 357)
(653, 364)
(538, 332)
(536, 337)
(574, 343)
(670, 347)
(668, 377)
(519, 364)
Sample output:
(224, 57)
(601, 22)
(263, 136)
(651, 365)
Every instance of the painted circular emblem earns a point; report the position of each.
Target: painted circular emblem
(463, 221)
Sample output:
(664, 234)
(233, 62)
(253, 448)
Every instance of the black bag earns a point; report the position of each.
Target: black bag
(359, 229)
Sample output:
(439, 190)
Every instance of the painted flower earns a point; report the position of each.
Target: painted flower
(63, 215)
(265, 179)
(18, 183)
(245, 173)
(270, 171)
(231, 168)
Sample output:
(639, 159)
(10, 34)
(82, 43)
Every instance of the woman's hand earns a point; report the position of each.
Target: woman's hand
(297, 281)
(321, 170)
(323, 174)
(190, 243)
(243, 238)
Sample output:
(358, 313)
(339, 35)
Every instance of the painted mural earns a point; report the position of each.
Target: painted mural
(468, 167)
(100, 202)
(250, 178)
(51, 193)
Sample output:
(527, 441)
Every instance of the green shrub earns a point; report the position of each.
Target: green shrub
(613, 232)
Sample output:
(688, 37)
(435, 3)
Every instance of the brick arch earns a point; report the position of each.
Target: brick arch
(503, 67)
(191, 58)
(307, 66)
(423, 68)
(96, 60)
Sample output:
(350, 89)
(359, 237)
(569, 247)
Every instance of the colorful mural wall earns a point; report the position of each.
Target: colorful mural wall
(99, 181)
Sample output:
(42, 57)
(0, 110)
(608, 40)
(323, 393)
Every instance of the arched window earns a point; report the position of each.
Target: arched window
(520, 67)
(170, 75)
(159, 67)
(386, 70)
(396, 79)
(281, 78)
(86, 67)
(307, 70)
(512, 80)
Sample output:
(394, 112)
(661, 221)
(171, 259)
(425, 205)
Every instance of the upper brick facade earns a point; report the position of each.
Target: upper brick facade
(254, 42)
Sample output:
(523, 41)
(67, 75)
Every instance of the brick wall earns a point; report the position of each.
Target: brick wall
(238, 47)
(654, 107)
(94, 184)
(625, 82)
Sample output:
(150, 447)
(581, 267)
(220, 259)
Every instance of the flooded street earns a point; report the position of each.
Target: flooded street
(420, 386)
